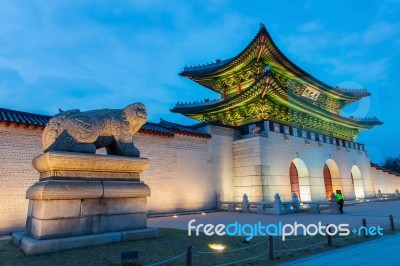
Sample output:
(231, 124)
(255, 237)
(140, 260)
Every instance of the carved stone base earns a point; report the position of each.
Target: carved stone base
(72, 208)
(30, 246)
(71, 165)
(91, 201)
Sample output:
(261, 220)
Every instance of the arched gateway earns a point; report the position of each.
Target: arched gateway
(357, 182)
(299, 179)
(332, 179)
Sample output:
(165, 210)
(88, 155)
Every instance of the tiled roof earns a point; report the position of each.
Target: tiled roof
(378, 167)
(264, 39)
(162, 128)
(280, 91)
(155, 128)
(18, 117)
(206, 68)
(186, 130)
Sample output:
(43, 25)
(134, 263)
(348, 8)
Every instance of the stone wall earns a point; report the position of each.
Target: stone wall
(261, 168)
(385, 182)
(185, 172)
(220, 152)
(18, 147)
(178, 174)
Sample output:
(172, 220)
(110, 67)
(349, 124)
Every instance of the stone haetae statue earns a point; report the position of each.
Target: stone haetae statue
(76, 131)
(82, 195)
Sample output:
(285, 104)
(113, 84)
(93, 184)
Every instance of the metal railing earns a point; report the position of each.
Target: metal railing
(271, 250)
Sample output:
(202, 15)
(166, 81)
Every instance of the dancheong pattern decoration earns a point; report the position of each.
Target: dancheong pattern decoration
(261, 83)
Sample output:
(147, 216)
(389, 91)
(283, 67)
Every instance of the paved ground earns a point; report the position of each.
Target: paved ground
(383, 251)
(376, 213)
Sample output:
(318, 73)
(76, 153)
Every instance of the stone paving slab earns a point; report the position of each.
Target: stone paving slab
(376, 213)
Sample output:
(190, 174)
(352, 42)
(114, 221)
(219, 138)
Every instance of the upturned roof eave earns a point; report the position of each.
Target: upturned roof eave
(305, 106)
(296, 103)
(229, 101)
(206, 71)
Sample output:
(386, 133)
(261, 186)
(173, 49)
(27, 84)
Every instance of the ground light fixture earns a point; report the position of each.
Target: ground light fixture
(216, 246)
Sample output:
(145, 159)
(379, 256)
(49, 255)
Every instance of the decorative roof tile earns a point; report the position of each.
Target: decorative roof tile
(162, 128)
(18, 117)
(186, 130)
(155, 128)
(263, 45)
(378, 167)
(276, 89)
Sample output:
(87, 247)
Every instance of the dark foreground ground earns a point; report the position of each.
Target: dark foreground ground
(174, 241)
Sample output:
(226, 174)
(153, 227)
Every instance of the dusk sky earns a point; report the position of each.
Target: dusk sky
(107, 54)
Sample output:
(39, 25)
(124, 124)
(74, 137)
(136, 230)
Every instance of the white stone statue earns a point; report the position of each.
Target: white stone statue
(76, 131)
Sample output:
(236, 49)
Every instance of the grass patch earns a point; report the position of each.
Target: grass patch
(172, 242)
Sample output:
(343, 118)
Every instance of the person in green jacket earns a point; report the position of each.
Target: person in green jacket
(339, 198)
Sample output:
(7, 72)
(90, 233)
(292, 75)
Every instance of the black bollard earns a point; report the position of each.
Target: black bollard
(391, 222)
(271, 247)
(364, 223)
(329, 236)
(189, 256)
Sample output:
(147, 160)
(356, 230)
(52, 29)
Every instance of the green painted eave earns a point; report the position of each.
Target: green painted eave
(277, 93)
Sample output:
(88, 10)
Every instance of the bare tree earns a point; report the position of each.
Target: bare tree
(392, 164)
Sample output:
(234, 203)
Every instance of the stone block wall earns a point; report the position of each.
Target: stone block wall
(185, 172)
(387, 183)
(19, 145)
(178, 174)
(261, 168)
(220, 158)
(248, 174)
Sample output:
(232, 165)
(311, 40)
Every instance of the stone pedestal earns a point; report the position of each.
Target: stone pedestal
(84, 195)
(334, 205)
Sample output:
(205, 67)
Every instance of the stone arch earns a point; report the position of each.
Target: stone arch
(299, 179)
(357, 181)
(294, 179)
(332, 178)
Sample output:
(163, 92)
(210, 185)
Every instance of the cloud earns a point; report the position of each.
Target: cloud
(95, 54)
(354, 55)
(9, 76)
(380, 31)
(311, 26)
(46, 94)
(362, 71)
(388, 9)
